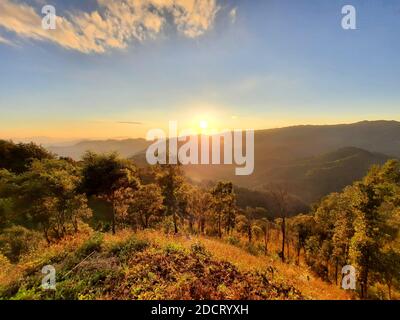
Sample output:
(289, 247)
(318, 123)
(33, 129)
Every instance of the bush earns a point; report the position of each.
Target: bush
(90, 245)
(172, 248)
(252, 249)
(233, 240)
(199, 249)
(17, 240)
(125, 248)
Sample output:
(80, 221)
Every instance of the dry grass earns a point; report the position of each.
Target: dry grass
(299, 276)
(42, 255)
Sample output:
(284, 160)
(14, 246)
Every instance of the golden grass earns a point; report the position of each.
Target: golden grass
(42, 255)
(299, 276)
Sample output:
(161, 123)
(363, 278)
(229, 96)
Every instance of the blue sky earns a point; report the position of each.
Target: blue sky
(256, 64)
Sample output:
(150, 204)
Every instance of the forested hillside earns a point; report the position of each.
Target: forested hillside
(113, 230)
(312, 160)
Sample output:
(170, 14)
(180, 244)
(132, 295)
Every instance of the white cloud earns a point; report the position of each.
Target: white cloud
(113, 24)
(5, 41)
(233, 15)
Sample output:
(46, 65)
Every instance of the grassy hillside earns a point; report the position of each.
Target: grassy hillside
(153, 265)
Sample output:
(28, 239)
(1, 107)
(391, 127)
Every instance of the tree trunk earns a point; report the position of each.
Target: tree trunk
(46, 235)
(175, 223)
(219, 226)
(389, 284)
(283, 238)
(249, 234)
(113, 220)
(265, 243)
(364, 284)
(298, 254)
(336, 270)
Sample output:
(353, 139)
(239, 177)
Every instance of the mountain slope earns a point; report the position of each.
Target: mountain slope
(126, 148)
(314, 177)
(311, 160)
(152, 265)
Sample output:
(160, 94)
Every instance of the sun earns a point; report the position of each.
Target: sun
(203, 124)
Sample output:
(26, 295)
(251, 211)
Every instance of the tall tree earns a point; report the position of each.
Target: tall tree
(113, 179)
(171, 181)
(18, 157)
(280, 195)
(145, 204)
(224, 206)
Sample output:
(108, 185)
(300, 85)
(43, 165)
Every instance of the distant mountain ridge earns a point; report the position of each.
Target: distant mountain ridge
(312, 160)
(125, 147)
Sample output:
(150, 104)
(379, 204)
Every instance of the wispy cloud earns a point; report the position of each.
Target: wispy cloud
(130, 122)
(113, 24)
(233, 15)
(5, 41)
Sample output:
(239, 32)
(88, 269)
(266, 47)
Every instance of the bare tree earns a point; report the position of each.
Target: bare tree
(280, 195)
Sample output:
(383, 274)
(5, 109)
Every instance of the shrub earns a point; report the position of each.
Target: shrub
(173, 248)
(125, 248)
(198, 248)
(233, 240)
(17, 240)
(90, 245)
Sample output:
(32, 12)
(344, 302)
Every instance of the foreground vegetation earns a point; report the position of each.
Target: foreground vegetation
(116, 231)
(153, 265)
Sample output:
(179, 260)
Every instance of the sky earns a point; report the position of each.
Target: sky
(115, 69)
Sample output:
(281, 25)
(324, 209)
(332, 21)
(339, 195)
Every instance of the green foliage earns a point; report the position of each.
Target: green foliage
(171, 181)
(233, 240)
(18, 157)
(359, 227)
(145, 206)
(45, 197)
(125, 249)
(223, 204)
(199, 249)
(16, 241)
(104, 173)
(91, 245)
(110, 178)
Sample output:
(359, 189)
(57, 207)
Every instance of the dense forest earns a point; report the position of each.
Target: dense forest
(48, 201)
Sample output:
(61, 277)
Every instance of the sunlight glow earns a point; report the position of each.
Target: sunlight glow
(203, 124)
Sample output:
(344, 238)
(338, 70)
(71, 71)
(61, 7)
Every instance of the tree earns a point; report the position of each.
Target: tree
(265, 226)
(343, 230)
(302, 226)
(372, 230)
(110, 178)
(145, 203)
(18, 157)
(359, 226)
(77, 209)
(200, 203)
(171, 180)
(281, 197)
(43, 195)
(389, 267)
(224, 206)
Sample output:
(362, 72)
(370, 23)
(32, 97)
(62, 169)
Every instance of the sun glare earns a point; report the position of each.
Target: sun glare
(203, 124)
